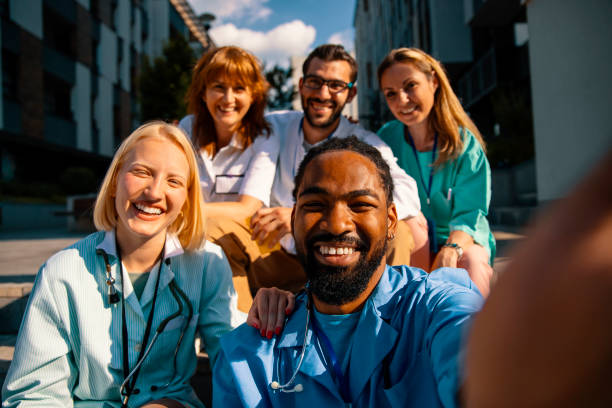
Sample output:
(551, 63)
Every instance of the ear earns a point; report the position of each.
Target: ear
(352, 93)
(434, 80)
(301, 84)
(293, 218)
(391, 220)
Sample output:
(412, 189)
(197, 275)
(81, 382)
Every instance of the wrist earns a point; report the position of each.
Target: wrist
(458, 249)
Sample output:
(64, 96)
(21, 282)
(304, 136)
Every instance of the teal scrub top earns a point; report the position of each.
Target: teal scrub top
(460, 191)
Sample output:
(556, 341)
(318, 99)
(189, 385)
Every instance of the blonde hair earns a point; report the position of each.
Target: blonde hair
(189, 226)
(447, 115)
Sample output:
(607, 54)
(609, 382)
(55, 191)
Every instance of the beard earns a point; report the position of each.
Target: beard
(338, 285)
(336, 112)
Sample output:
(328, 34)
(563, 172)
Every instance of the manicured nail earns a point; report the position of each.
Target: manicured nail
(269, 336)
(288, 311)
(277, 331)
(263, 332)
(256, 326)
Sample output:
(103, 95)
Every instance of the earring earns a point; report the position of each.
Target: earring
(391, 236)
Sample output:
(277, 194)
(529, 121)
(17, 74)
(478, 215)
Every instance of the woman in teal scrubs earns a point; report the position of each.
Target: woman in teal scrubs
(438, 144)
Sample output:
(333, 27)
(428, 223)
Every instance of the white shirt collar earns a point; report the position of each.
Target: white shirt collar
(172, 248)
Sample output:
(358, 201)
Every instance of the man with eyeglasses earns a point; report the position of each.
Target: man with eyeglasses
(327, 85)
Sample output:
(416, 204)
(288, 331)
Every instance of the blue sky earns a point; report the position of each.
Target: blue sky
(276, 29)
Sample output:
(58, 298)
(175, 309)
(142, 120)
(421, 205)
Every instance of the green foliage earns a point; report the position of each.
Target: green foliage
(164, 82)
(282, 91)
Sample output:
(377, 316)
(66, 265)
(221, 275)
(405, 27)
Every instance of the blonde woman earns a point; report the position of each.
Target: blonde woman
(111, 320)
(439, 145)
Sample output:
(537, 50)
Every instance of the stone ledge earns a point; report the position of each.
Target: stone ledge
(15, 290)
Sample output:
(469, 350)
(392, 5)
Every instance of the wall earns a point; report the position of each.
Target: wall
(570, 58)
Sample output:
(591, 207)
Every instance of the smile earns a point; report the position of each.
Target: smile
(408, 111)
(332, 250)
(148, 210)
(227, 109)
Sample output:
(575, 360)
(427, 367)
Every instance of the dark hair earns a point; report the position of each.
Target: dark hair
(351, 144)
(331, 52)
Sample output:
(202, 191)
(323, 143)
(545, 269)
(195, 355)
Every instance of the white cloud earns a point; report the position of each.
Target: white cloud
(345, 38)
(233, 10)
(275, 46)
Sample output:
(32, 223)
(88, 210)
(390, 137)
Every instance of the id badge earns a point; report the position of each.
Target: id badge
(228, 183)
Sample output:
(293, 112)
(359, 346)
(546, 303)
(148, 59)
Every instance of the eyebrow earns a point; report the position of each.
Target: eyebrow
(349, 195)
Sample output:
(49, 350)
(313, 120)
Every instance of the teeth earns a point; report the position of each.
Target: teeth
(327, 250)
(148, 210)
(408, 111)
(226, 109)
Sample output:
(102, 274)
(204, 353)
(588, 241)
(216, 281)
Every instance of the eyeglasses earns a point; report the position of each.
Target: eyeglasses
(334, 85)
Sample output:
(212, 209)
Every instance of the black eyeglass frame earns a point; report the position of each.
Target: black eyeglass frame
(328, 82)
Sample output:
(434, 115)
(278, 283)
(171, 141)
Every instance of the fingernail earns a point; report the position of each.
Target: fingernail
(288, 311)
(269, 336)
(263, 332)
(256, 326)
(277, 331)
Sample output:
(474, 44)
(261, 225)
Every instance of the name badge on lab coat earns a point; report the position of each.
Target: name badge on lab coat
(228, 183)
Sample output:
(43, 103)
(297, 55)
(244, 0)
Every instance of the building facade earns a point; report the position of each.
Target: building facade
(506, 61)
(69, 71)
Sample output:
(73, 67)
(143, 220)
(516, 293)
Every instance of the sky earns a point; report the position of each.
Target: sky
(274, 30)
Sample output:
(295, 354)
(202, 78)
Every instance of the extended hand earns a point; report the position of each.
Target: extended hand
(446, 257)
(269, 225)
(270, 306)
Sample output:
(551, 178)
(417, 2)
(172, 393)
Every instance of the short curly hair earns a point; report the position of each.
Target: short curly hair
(352, 144)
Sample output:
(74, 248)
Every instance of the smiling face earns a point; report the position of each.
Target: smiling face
(340, 223)
(322, 108)
(151, 190)
(227, 102)
(409, 92)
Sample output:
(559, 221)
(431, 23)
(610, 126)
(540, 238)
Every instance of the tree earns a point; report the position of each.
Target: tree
(282, 91)
(164, 83)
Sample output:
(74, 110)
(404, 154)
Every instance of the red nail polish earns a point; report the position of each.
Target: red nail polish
(269, 334)
(277, 331)
(288, 311)
(263, 332)
(256, 326)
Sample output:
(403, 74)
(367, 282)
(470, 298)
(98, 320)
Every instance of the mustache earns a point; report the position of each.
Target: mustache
(330, 101)
(359, 243)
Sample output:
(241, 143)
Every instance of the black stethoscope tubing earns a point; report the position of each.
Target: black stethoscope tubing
(130, 377)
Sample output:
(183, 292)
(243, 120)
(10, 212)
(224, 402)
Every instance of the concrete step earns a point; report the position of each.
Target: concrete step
(516, 216)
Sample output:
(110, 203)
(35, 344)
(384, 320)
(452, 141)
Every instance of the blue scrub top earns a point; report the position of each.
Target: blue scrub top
(405, 349)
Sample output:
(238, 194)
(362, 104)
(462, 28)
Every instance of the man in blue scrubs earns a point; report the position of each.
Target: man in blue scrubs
(363, 334)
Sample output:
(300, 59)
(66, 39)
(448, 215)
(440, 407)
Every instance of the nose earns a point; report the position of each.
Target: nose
(155, 189)
(337, 220)
(404, 97)
(323, 92)
(229, 95)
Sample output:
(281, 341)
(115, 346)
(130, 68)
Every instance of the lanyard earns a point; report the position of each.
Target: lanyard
(124, 335)
(431, 222)
(416, 156)
(329, 350)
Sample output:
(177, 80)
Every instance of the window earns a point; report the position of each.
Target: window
(57, 97)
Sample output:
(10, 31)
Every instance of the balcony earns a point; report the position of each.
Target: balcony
(479, 80)
(495, 13)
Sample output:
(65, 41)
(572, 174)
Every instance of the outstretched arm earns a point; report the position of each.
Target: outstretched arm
(544, 336)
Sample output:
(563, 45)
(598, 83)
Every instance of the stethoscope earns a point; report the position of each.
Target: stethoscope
(326, 347)
(287, 387)
(130, 376)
